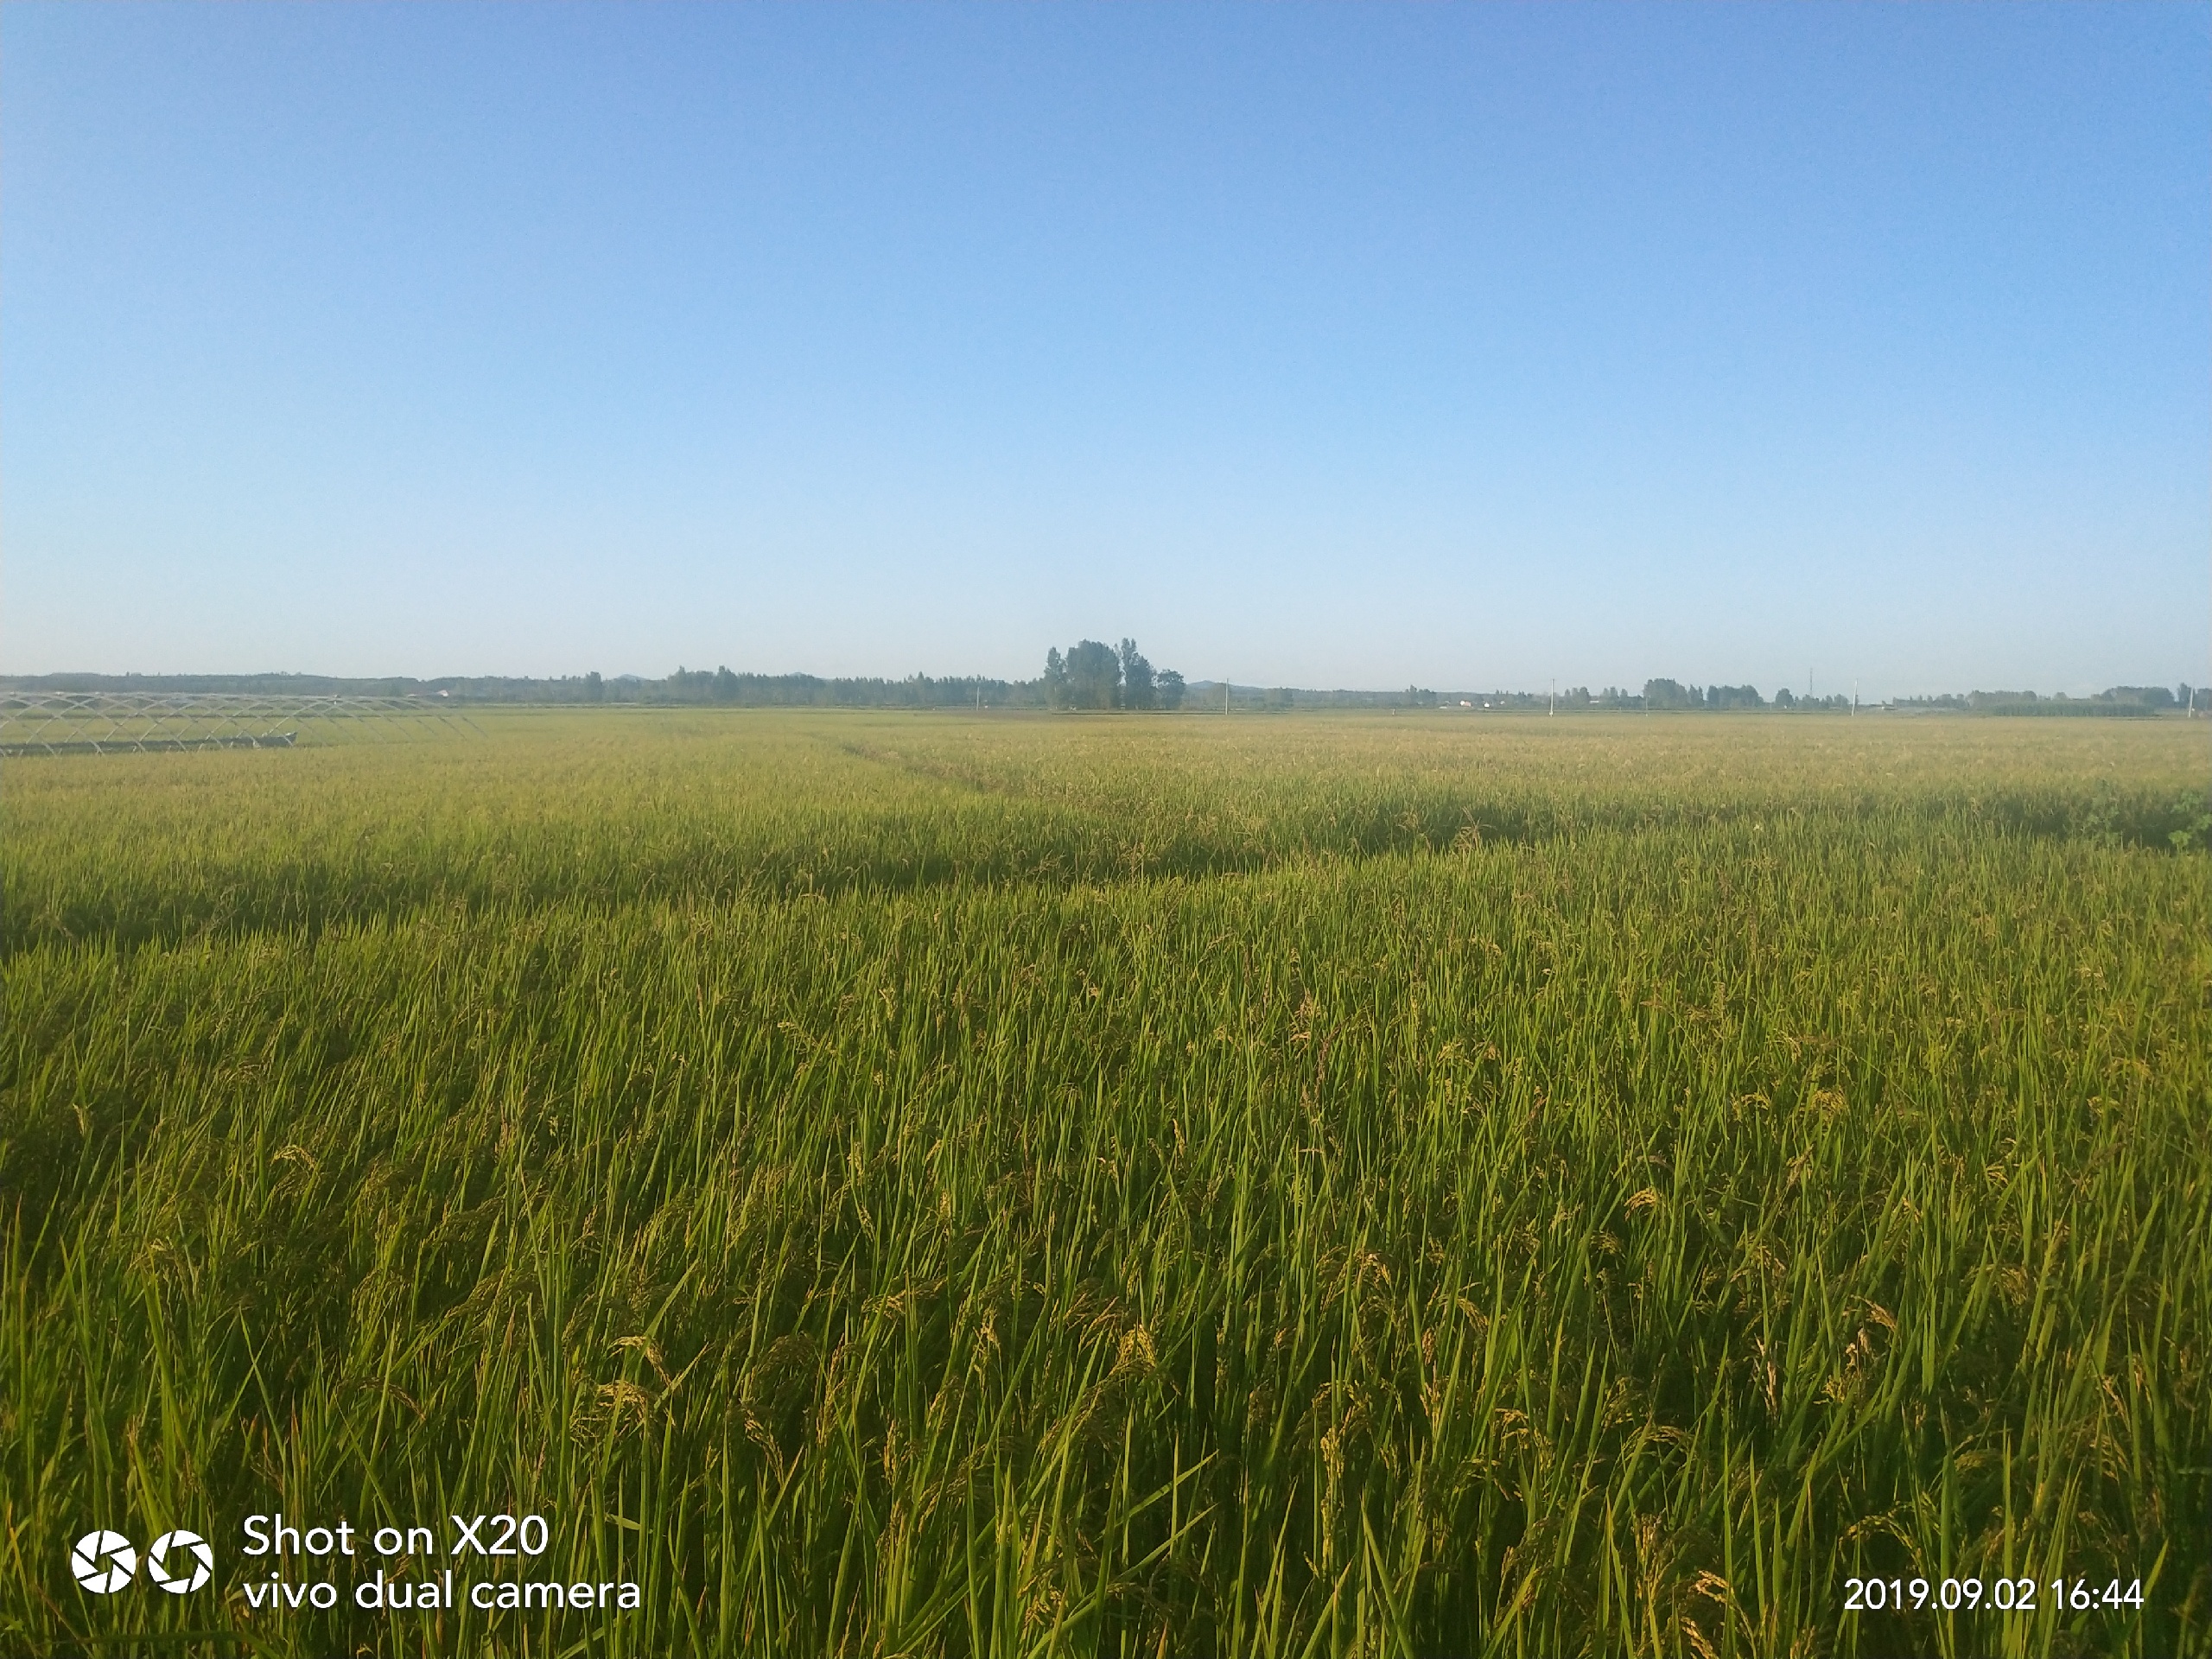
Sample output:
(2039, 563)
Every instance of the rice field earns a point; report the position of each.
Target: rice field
(922, 1184)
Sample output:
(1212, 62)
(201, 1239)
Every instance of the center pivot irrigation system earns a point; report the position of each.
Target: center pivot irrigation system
(114, 722)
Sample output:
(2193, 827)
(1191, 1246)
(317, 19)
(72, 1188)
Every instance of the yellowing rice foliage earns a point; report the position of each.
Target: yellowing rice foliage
(899, 1185)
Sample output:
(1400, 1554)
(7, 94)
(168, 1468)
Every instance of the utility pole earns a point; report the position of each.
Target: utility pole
(1554, 708)
(1855, 694)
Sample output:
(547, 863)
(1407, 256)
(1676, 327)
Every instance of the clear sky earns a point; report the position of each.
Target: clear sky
(1328, 345)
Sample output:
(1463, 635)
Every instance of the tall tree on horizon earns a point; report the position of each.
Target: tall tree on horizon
(1138, 689)
(1094, 672)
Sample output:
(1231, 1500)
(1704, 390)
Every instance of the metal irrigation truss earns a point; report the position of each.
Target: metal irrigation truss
(114, 722)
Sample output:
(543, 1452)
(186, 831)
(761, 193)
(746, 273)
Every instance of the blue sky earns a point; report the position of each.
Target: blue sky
(1336, 345)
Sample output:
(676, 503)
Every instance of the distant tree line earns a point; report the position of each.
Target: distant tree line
(686, 685)
(811, 691)
(2123, 702)
(1672, 694)
(1088, 676)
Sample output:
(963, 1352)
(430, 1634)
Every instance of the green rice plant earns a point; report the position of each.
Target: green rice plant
(1289, 1187)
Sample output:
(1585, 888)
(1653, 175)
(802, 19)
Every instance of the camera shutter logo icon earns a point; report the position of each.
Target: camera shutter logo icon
(104, 1562)
(179, 1561)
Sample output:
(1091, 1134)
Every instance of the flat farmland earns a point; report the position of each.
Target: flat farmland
(1261, 1184)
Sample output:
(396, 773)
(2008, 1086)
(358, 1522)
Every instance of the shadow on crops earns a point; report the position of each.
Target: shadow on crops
(985, 839)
